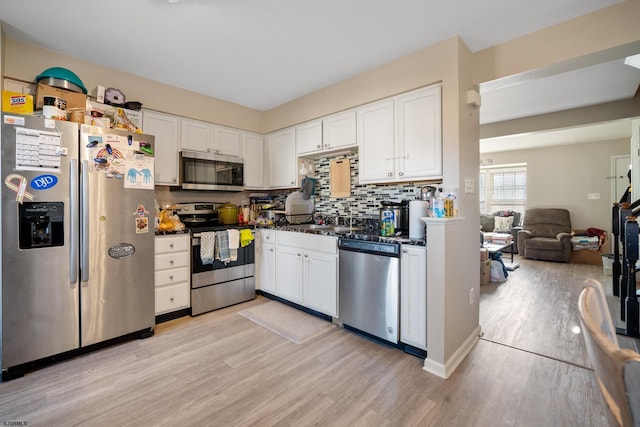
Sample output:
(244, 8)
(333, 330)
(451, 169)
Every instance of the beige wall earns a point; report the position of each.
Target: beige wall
(25, 61)
(576, 43)
(563, 176)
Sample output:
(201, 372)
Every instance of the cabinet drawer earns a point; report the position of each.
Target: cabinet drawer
(164, 261)
(268, 236)
(168, 244)
(328, 244)
(172, 276)
(172, 298)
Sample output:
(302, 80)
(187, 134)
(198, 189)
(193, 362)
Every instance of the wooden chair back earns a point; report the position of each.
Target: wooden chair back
(617, 370)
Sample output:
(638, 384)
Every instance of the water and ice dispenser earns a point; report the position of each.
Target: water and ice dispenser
(41, 224)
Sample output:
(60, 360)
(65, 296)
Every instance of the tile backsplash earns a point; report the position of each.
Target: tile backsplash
(364, 200)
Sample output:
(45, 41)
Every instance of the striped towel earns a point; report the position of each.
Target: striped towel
(234, 242)
(222, 246)
(207, 245)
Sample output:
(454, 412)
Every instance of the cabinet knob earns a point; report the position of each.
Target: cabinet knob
(291, 182)
(401, 173)
(298, 254)
(318, 146)
(306, 255)
(171, 245)
(174, 179)
(171, 299)
(171, 261)
(170, 277)
(404, 251)
(271, 250)
(390, 174)
(267, 237)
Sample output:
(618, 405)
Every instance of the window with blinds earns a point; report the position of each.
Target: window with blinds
(503, 188)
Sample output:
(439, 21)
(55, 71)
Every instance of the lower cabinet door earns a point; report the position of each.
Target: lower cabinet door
(289, 273)
(320, 282)
(172, 297)
(413, 296)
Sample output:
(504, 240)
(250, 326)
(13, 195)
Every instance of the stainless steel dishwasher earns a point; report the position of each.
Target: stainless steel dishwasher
(370, 287)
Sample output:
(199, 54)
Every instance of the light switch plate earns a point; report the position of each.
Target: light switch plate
(469, 185)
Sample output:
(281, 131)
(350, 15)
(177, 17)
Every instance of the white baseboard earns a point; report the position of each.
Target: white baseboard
(446, 369)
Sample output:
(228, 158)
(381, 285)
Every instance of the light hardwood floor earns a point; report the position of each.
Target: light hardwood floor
(220, 369)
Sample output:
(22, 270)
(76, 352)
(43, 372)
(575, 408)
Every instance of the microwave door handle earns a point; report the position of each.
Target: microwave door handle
(74, 240)
(84, 218)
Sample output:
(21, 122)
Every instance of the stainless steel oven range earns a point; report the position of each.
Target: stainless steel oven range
(218, 284)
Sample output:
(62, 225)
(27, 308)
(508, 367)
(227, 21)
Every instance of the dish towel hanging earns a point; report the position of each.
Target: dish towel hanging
(246, 237)
(207, 246)
(222, 246)
(234, 241)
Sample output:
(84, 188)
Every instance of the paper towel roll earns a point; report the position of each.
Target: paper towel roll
(417, 210)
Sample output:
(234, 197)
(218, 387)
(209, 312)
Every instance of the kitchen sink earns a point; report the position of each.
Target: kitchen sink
(345, 229)
(311, 226)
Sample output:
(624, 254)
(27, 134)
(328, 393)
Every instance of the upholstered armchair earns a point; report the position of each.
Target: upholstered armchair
(546, 235)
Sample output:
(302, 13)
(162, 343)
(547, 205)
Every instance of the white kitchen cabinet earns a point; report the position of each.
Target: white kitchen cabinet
(227, 141)
(207, 137)
(320, 281)
(419, 134)
(281, 159)
(266, 260)
(413, 296)
(172, 273)
(165, 128)
(307, 270)
(196, 135)
(253, 155)
(309, 138)
(339, 130)
(400, 138)
(376, 134)
(289, 273)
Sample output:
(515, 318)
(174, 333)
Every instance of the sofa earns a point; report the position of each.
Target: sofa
(505, 221)
(546, 235)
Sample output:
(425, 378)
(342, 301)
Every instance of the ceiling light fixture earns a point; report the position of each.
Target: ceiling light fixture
(633, 61)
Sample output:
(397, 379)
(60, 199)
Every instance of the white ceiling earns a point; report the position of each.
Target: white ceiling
(263, 53)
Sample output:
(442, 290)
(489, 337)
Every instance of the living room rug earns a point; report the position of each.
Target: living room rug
(290, 323)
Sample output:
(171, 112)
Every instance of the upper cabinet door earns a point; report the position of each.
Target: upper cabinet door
(253, 149)
(227, 141)
(196, 135)
(281, 157)
(339, 130)
(419, 134)
(309, 137)
(376, 142)
(165, 128)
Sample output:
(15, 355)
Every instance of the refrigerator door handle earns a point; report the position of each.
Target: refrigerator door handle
(73, 221)
(84, 220)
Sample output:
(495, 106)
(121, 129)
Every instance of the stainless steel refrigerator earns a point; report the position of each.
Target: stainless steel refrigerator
(77, 238)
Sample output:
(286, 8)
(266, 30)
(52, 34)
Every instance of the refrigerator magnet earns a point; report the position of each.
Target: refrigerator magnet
(141, 211)
(142, 225)
(18, 184)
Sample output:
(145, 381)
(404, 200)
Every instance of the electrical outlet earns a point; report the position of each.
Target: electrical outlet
(593, 196)
(472, 295)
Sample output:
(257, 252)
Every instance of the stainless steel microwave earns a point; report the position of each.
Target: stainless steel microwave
(208, 171)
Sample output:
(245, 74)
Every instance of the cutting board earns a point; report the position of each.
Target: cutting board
(340, 178)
